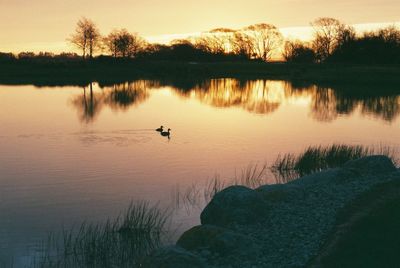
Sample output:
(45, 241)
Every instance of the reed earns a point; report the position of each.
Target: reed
(316, 158)
(121, 242)
(196, 196)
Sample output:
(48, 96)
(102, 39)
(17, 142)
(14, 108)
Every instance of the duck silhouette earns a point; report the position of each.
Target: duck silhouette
(166, 133)
(160, 129)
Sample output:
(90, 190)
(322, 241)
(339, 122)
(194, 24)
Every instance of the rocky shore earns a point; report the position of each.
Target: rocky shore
(274, 225)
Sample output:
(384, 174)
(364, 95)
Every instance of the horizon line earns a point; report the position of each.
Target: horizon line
(303, 33)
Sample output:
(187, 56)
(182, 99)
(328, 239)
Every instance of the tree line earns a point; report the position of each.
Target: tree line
(253, 42)
(333, 41)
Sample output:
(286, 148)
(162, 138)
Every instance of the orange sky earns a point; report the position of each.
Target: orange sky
(45, 24)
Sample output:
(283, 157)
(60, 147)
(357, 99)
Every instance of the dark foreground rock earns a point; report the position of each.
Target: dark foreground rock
(234, 205)
(173, 257)
(276, 225)
(372, 165)
(215, 239)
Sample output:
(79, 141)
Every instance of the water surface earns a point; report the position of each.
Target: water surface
(69, 154)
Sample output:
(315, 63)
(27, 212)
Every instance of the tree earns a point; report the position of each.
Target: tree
(216, 41)
(296, 51)
(346, 35)
(137, 44)
(390, 35)
(381, 46)
(124, 44)
(264, 39)
(241, 45)
(7, 57)
(111, 42)
(327, 33)
(86, 37)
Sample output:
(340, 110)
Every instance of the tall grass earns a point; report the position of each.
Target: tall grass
(126, 240)
(287, 167)
(316, 158)
(122, 242)
(197, 195)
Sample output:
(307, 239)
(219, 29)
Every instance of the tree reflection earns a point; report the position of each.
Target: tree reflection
(123, 96)
(259, 96)
(327, 104)
(345, 105)
(118, 97)
(324, 105)
(386, 108)
(88, 104)
(256, 96)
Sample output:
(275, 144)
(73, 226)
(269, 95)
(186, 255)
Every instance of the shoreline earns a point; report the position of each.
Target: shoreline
(283, 225)
(81, 73)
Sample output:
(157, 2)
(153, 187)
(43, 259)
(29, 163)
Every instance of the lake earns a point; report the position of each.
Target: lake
(70, 154)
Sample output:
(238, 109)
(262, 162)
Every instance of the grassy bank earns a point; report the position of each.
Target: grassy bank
(59, 73)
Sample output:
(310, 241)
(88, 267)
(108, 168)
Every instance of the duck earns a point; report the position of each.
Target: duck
(160, 129)
(166, 133)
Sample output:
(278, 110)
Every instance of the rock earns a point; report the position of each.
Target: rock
(319, 178)
(234, 205)
(173, 257)
(366, 166)
(215, 239)
(280, 192)
(371, 165)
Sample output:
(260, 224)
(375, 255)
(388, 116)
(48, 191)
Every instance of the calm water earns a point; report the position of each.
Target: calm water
(69, 154)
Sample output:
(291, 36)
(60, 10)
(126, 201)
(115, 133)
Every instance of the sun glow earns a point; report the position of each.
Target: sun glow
(304, 33)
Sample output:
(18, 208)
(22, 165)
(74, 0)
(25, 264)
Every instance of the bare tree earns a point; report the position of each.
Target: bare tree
(241, 45)
(328, 35)
(124, 41)
(216, 41)
(390, 34)
(111, 42)
(137, 45)
(124, 44)
(346, 34)
(210, 43)
(297, 51)
(86, 37)
(264, 38)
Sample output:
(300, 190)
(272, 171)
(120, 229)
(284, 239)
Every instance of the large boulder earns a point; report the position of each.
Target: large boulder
(234, 205)
(216, 240)
(280, 192)
(173, 257)
(370, 165)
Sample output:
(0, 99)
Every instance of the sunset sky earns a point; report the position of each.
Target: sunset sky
(45, 24)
